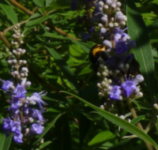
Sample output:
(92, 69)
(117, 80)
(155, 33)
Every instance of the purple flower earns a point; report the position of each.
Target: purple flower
(15, 103)
(19, 92)
(18, 137)
(36, 128)
(7, 85)
(7, 125)
(37, 98)
(37, 115)
(122, 40)
(129, 87)
(121, 47)
(115, 93)
(16, 127)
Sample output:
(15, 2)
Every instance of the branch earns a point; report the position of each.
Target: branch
(4, 40)
(64, 33)
(21, 7)
(11, 27)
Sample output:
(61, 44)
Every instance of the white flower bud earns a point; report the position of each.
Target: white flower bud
(100, 94)
(100, 25)
(24, 69)
(104, 19)
(111, 25)
(155, 106)
(108, 2)
(139, 94)
(122, 23)
(22, 35)
(104, 74)
(31, 119)
(98, 74)
(101, 8)
(113, 5)
(139, 78)
(118, 4)
(22, 74)
(102, 106)
(24, 62)
(116, 24)
(16, 73)
(42, 141)
(107, 43)
(122, 117)
(21, 42)
(106, 7)
(9, 61)
(103, 30)
(23, 51)
(28, 83)
(101, 3)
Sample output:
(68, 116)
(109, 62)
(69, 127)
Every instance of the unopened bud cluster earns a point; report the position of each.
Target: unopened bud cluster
(18, 70)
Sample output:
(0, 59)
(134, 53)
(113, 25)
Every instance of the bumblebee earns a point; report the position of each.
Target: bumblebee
(96, 53)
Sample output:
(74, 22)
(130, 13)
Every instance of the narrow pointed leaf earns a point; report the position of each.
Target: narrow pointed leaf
(119, 122)
(5, 141)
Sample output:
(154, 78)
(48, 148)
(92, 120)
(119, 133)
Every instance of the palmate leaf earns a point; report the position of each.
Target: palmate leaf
(143, 53)
(119, 122)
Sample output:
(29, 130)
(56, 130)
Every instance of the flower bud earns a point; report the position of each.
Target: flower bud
(107, 43)
(101, 3)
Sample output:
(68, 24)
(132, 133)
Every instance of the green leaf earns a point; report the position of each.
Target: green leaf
(101, 137)
(45, 144)
(143, 52)
(64, 68)
(5, 141)
(47, 128)
(119, 122)
(48, 2)
(39, 3)
(153, 26)
(37, 21)
(9, 12)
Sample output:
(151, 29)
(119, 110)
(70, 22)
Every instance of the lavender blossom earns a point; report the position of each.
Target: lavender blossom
(7, 85)
(19, 92)
(36, 128)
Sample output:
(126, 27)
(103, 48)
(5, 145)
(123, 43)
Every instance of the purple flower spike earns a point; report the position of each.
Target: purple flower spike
(36, 128)
(115, 93)
(19, 92)
(37, 98)
(18, 137)
(129, 87)
(7, 85)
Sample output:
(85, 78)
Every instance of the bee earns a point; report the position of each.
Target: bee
(96, 53)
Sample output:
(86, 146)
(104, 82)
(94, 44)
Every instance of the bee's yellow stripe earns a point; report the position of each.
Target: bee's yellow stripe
(98, 48)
